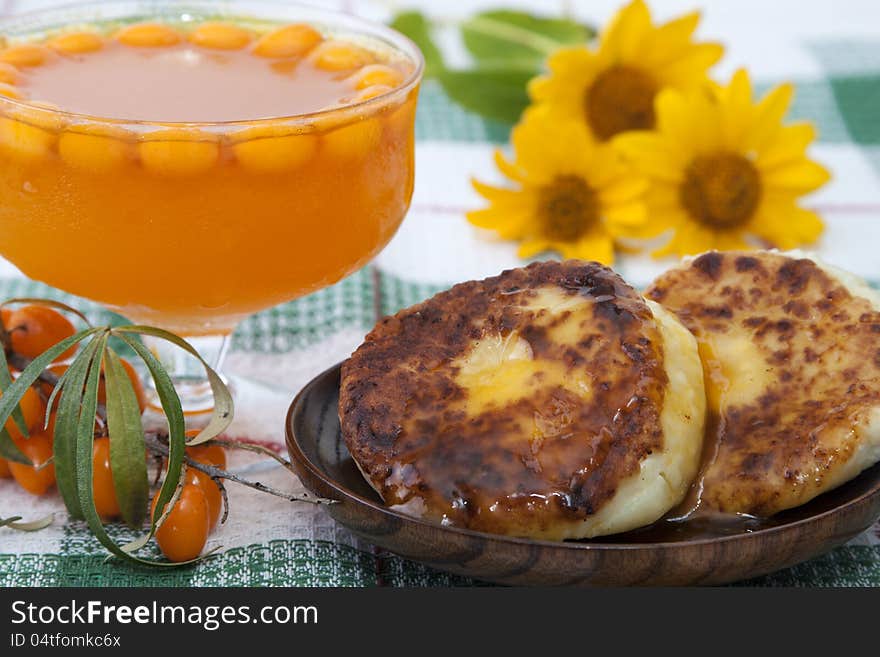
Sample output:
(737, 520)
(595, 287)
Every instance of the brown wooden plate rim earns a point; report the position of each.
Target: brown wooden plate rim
(514, 540)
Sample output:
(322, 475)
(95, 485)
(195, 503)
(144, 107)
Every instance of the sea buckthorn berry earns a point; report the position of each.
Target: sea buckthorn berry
(209, 454)
(135, 383)
(34, 329)
(25, 54)
(24, 140)
(340, 56)
(213, 496)
(93, 149)
(289, 41)
(354, 141)
(76, 43)
(32, 410)
(371, 92)
(103, 490)
(33, 478)
(9, 74)
(148, 35)
(8, 91)
(220, 36)
(5, 472)
(269, 150)
(179, 152)
(374, 74)
(185, 531)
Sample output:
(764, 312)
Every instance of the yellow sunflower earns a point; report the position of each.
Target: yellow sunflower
(613, 88)
(725, 171)
(572, 195)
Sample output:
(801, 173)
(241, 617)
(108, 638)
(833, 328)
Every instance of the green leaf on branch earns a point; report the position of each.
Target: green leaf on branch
(17, 414)
(84, 448)
(127, 449)
(15, 523)
(498, 94)
(66, 428)
(414, 25)
(222, 413)
(48, 303)
(176, 424)
(84, 433)
(173, 410)
(519, 36)
(13, 394)
(79, 416)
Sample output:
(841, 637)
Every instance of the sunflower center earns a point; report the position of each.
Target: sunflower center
(621, 98)
(567, 208)
(721, 190)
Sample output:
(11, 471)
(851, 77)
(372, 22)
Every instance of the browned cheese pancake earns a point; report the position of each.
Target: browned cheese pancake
(551, 401)
(791, 351)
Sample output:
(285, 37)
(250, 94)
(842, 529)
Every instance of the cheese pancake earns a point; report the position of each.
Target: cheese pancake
(791, 351)
(551, 401)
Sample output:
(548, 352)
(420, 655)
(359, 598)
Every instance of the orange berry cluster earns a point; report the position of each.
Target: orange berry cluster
(183, 535)
(32, 330)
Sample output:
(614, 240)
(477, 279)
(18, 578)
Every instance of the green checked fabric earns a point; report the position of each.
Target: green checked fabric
(296, 545)
(81, 561)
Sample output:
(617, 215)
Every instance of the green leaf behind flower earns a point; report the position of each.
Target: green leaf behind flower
(509, 49)
(519, 37)
(414, 25)
(495, 93)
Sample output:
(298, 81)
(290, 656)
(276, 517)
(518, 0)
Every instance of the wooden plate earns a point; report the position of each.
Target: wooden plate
(663, 554)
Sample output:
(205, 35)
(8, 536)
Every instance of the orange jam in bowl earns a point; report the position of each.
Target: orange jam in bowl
(188, 171)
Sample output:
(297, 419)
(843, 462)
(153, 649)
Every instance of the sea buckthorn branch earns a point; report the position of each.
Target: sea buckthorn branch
(156, 444)
(257, 449)
(96, 395)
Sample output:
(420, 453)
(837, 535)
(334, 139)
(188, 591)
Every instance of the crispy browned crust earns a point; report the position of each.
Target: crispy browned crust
(820, 346)
(403, 415)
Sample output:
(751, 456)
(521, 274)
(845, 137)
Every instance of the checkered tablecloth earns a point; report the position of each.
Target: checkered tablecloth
(830, 49)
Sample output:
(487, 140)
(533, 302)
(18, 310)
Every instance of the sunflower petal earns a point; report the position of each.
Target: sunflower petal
(598, 246)
(662, 197)
(801, 176)
(622, 190)
(508, 168)
(738, 111)
(668, 41)
(691, 66)
(769, 114)
(675, 122)
(689, 238)
(547, 146)
(731, 240)
(808, 225)
(626, 214)
(650, 154)
(532, 247)
(789, 143)
(627, 29)
(785, 225)
(497, 195)
(572, 71)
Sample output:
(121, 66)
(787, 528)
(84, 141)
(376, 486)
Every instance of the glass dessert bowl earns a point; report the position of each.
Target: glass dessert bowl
(189, 164)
